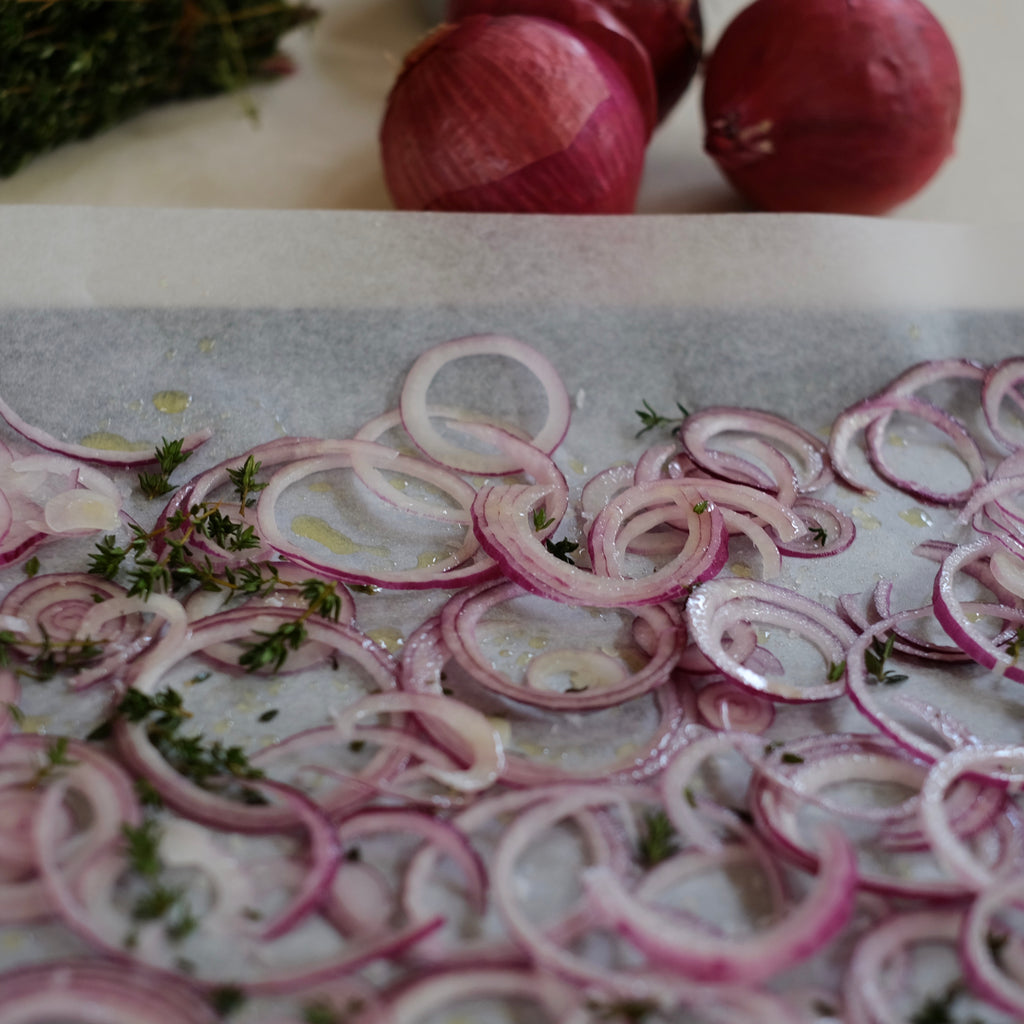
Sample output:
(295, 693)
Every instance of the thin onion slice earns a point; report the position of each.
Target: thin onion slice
(416, 414)
(100, 456)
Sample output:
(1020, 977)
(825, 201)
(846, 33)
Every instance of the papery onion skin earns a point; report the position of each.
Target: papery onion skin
(672, 32)
(832, 106)
(479, 120)
(591, 20)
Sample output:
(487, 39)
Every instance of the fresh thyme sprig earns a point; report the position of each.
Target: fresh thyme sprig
(541, 519)
(1016, 644)
(56, 758)
(209, 766)
(652, 419)
(245, 483)
(272, 649)
(322, 1011)
(939, 1009)
(630, 1011)
(158, 900)
(562, 549)
(48, 656)
(177, 567)
(836, 671)
(169, 457)
(875, 658)
(658, 841)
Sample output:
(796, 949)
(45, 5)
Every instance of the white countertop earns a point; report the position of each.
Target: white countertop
(314, 145)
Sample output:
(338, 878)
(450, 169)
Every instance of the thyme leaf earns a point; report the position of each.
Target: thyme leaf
(875, 658)
(652, 419)
(272, 650)
(209, 765)
(658, 841)
(541, 519)
(169, 457)
(157, 901)
(562, 549)
(245, 483)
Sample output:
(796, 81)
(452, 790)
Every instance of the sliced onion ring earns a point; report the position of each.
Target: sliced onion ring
(415, 408)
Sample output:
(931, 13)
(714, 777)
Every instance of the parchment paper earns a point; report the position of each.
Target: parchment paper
(304, 323)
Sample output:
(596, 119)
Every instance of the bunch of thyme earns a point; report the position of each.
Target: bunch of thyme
(177, 567)
(70, 70)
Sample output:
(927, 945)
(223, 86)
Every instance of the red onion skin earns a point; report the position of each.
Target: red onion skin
(480, 120)
(587, 18)
(672, 32)
(832, 106)
(669, 32)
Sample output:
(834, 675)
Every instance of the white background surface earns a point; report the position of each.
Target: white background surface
(314, 145)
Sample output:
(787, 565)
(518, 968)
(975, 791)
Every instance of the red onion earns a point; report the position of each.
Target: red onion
(1002, 385)
(461, 617)
(480, 119)
(834, 106)
(432, 363)
(723, 705)
(719, 604)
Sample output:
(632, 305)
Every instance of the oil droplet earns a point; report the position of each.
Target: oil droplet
(743, 571)
(502, 727)
(314, 528)
(34, 723)
(387, 637)
(320, 487)
(538, 643)
(897, 441)
(865, 519)
(135, 405)
(114, 442)
(206, 345)
(429, 558)
(578, 467)
(172, 402)
(916, 517)
(12, 940)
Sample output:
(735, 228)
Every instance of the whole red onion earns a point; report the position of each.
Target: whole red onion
(841, 106)
(512, 114)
